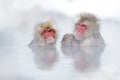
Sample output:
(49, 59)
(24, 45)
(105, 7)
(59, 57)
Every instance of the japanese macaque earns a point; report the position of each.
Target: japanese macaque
(68, 44)
(45, 34)
(91, 43)
(43, 45)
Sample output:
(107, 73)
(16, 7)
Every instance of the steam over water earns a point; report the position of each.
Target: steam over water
(17, 21)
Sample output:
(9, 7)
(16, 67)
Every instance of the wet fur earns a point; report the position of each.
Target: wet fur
(91, 43)
(92, 35)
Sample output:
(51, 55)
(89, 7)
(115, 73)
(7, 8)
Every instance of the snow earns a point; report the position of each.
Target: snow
(18, 19)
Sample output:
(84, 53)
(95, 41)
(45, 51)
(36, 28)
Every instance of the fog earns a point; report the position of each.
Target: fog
(18, 19)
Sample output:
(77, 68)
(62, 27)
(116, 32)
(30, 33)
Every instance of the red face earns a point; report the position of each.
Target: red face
(79, 30)
(49, 34)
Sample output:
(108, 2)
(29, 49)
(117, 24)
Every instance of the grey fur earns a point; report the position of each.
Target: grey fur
(38, 38)
(91, 44)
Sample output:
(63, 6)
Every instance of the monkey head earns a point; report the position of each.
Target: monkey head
(46, 32)
(86, 26)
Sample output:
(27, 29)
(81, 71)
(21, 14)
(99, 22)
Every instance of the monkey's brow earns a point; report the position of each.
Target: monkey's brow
(88, 19)
(81, 20)
(48, 27)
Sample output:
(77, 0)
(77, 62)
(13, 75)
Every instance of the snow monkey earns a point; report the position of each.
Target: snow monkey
(45, 34)
(44, 45)
(91, 43)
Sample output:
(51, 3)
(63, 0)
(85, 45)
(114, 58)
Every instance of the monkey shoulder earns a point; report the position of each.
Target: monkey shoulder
(92, 46)
(36, 43)
(93, 42)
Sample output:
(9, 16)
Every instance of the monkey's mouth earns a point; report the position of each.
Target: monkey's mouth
(50, 40)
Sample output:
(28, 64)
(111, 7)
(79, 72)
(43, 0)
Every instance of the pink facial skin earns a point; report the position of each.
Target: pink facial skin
(80, 29)
(48, 34)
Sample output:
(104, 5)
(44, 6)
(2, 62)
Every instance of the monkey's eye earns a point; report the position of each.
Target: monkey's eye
(48, 31)
(82, 25)
(45, 31)
(52, 30)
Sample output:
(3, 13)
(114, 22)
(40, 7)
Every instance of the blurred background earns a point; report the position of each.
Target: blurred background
(18, 19)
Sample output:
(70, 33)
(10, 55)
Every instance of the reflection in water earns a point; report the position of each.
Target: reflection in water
(85, 56)
(88, 58)
(45, 57)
